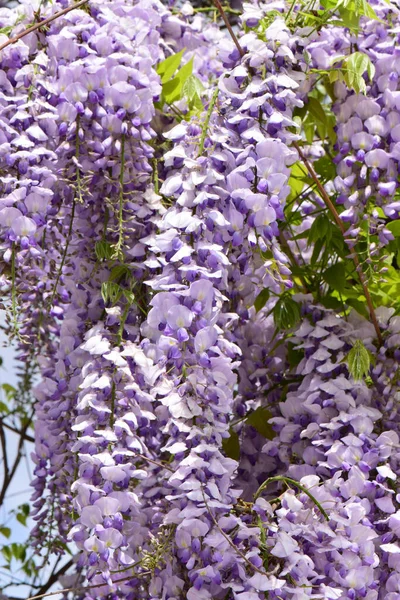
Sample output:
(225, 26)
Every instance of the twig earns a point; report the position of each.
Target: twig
(55, 575)
(228, 26)
(296, 484)
(207, 120)
(341, 226)
(4, 450)
(27, 437)
(227, 9)
(228, 539)
(154, 462)
(83, 588)
(8, 477)
(77, 196)
(42, 23)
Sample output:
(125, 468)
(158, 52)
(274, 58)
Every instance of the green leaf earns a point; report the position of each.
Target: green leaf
(167, 67)
(309, 129)
(286, 312)
(18, 551)
(358, 361)
(111, 292)
(332, 302)
(21, 518)
(319, 244)
(172, 90)
(335, 276)
(394, 227)
(321, 229)
(298, 178)
(294, 355)
(103, 250)
(359, 306)
(9, 390)
(231, 445)
(315, 108)
(259, 420)
(118, 272)
(6, 531)
(192, 88)
(7, 553)
(350, 11)
(354, 68)
(261, 299)
(129, 297)
(325, 168)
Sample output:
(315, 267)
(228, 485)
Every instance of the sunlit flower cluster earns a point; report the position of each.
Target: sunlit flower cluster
(186, 446)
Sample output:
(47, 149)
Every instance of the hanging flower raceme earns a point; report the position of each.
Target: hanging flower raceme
(229, 187)
(367, 125)
(332, 440)
(104, 101)
(160, 241)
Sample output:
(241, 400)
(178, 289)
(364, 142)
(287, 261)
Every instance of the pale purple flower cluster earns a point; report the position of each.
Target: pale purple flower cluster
(338, 438)
(368, 126)
(150, 251)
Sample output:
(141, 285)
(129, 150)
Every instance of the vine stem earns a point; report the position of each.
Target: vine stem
(119, 244)
(228, 10)
(69, 234)
(43, 23)
(14, 291)
(83, 589)
(228, 539)
(154, 462)
(341, 226)
(295, 483)
(207, 120)
(229, 27)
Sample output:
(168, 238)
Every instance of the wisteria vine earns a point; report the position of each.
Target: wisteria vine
(199, 229)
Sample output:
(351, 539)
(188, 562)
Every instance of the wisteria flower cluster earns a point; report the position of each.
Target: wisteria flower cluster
(199, 241)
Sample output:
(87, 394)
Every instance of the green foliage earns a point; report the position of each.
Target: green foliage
(325, 168)
(358, 361)
(103, 250)
(294, 355)
(168, 67)
(192, 90)
(179, 83)
(394, 228)
(172, 90)
(23, 514)
(5, 531)
(350, 11)
(111, 292)
(118, 272)
(298, 179)
(259, 420)
(321, 229)
(231, 445)
(14, 551)
(262, 299)
(335, 276)
(318, 117)
(286, 312)
(10, 393)
(352, 71)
